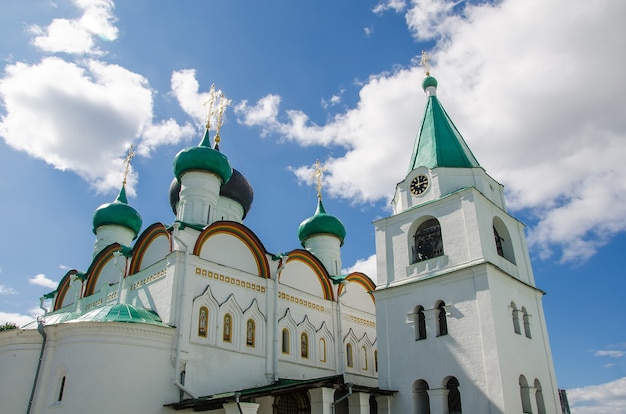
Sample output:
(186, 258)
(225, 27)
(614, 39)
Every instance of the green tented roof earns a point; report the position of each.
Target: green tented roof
(121, 312)
(439, 143)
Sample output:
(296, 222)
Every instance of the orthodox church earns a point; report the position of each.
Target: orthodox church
(198, 316)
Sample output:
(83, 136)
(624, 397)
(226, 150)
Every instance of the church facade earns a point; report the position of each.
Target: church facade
(199, 316)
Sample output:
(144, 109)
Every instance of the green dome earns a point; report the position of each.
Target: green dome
(321, 223)
(118, 213)
(121, 312)
(202, 157)
(429, 81)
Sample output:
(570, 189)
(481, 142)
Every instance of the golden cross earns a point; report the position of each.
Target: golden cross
(317, 175)
(425, 61)
(129, 157)
(210, 102)
(221, 108)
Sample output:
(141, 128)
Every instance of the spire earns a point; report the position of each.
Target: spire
(438, 142)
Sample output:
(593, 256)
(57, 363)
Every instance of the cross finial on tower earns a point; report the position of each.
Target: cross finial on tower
(129, 157)
(317, 175)
(425, 62)
(209, 104)
(221, 108)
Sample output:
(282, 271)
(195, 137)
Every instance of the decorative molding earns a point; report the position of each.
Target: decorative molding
(148, 279)
(230, 280)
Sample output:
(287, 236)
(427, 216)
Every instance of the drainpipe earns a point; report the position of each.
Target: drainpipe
(42, 332)
(179, 313)
(237, 395)
(334, 403)
(281, 264)
(44, 309)
(340, 357)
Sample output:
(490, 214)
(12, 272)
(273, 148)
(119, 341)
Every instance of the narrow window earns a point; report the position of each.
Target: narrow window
(228, 328)
(250, 333)
(304, 345)
(285, 341)
(427, 241)
(454, 396)
(349, 360)
(203, 321)
(420, 323)
(524, 391)
(515, 314)
(499, 241)
(364, 358)
(421, 401)
(376, 360)
(526, 319)
(442, 319)
(61, 389)
(322, 350)
(541, 407)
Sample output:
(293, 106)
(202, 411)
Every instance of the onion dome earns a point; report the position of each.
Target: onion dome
(203, 157)
(117, 213)
(240, 190)
(321, 223)
(121, 312)
(429, 81)
(237, 188)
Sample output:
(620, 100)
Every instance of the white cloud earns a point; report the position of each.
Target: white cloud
(82, 118)
(4, 290)
(16, 318)
(367, 266)
(395, 5)
(599, 399)
(542, 105)
(76, 36)
(42, 280)
(613, 353)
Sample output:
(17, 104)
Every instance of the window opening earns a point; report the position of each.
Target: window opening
(304, 345)
(228, 328)
(420, 323)
(515, 314)
(250, 333)
(454, 396)
(526, 319)
(525, 395)
(541, 407)
(421, 400)
(427, 241)
(349, 360)
(322, 350)
(203, 318)
(285, 341)
(61, 389)
(442, 319)
(364, 358)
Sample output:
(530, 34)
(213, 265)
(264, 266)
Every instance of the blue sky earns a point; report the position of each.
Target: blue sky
(535, 86)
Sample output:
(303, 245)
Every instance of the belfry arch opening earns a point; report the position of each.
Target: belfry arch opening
(427, 242)
(502, 239)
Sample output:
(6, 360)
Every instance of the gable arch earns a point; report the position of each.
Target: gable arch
(149, 242)
(316, 267)
(97, 265)
(363, 281)
(62, 288)
(244, 235)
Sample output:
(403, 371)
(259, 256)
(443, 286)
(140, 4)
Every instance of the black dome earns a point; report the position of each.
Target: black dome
(237, 189)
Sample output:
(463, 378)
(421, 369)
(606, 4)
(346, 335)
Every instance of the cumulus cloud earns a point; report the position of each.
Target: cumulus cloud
(42, 280)
(77, 36)
(541, 105)
(599, 399)
(367, 266)
(5, 290)
(16, 318)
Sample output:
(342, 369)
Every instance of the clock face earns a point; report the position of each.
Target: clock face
(419, 184)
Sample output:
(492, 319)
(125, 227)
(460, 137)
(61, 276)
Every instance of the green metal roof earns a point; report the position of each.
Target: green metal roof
(321, 223)
(203, 157)
(439, 143)
(121, 312)
(119, 213)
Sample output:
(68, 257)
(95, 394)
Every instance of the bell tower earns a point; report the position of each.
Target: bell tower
(461, 324)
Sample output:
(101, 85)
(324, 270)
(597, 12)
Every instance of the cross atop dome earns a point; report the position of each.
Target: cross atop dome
(318, 175)
(129, 157)
(217, 104)
(425, 62)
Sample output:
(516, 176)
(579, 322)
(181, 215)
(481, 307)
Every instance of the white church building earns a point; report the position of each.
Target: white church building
(198, 316)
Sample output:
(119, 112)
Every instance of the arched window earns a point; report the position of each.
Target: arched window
(442, 321)
(364, 365)
(515, 315)
(454, 396)
(61, 389)
(420, 323)
(292, 403)
(203, 321)
(376, 360)
(502, 239)
(541, 407)
(349, 360)
(373, 404)
(285, 341)
(304, 345)
(250, 333)
(526, 319)
(227, 335)
(322, 350)
(427, 241)
(524, 391)
(421, 401)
